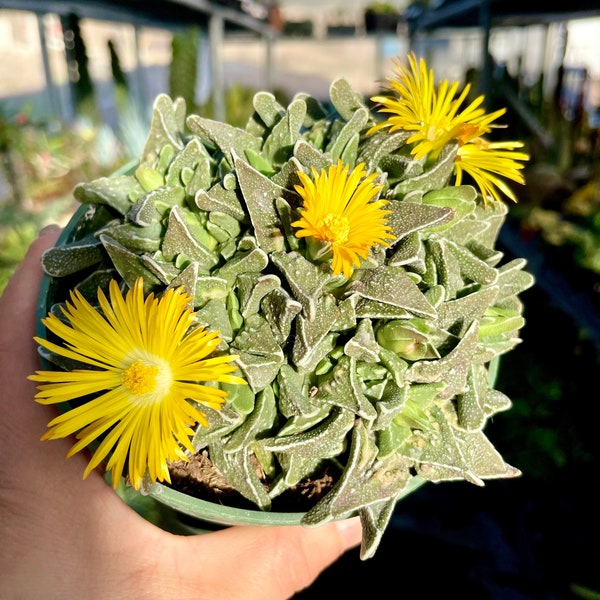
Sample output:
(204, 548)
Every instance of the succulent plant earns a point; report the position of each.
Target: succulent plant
(383, 375)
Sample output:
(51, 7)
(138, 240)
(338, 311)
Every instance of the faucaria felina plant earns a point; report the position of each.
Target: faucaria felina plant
(317, 297)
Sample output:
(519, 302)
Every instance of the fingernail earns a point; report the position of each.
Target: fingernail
(350, 531)
(52, 228)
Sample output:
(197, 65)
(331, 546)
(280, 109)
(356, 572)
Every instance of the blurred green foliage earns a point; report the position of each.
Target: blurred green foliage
(19, 227)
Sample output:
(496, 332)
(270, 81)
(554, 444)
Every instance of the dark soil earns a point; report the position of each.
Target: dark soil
(199, 478)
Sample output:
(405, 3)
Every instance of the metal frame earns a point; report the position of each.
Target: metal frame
(168, 14)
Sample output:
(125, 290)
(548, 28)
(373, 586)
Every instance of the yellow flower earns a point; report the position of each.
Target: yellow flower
(434, 115)
(141, 390)
(340, 208)
(485, 161)
(415, 104)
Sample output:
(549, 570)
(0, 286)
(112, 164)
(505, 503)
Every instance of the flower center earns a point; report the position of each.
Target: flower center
(140, 378)
(337, 228)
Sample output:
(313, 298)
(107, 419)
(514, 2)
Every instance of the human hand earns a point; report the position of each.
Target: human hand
(67, 538)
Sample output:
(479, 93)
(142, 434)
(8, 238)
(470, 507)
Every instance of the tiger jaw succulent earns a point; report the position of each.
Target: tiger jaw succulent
(358, 291)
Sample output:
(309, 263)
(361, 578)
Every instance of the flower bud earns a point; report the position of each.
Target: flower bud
(403, 338)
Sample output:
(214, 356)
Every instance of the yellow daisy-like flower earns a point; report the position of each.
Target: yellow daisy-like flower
(431, 112)
(142, 387)
(434, 115)
(340, 208)
(486, 162)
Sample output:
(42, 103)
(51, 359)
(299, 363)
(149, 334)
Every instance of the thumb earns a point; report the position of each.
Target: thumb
(271, 563)
(25, 281)
(18, 305)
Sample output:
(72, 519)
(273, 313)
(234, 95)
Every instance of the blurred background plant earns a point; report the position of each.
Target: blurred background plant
(40, 163)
